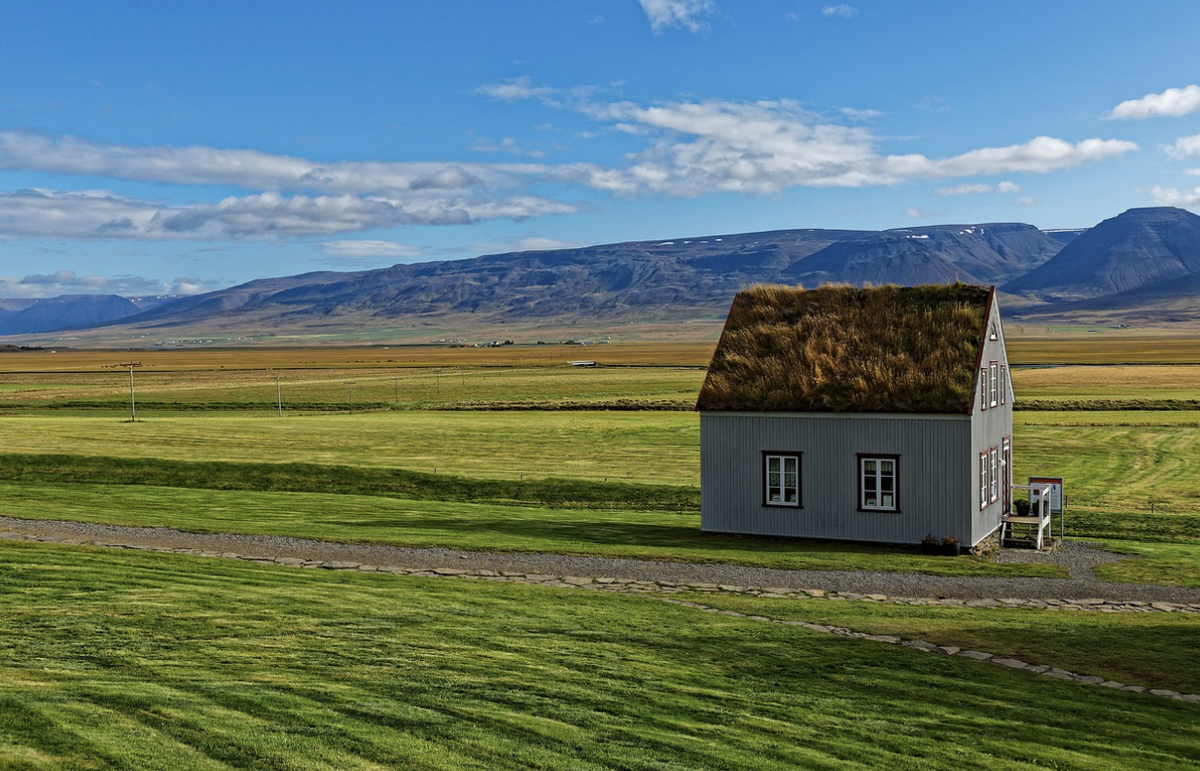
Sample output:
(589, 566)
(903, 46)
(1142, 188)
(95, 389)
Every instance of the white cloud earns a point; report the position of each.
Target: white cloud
(856, 114)
(1025, 200)
(1171, 103)
(98, 214)
(526, 244)
(506, 145)
(366, 248)
(685, 14)
(1170, 196)
(515, 90)
(65, 281)
(248, 169)
(763, 148)
(842, 10)
(977, 188)
(682, 149)
(189, 285)
(1037, 156)
(914, 213)
(1185, 147)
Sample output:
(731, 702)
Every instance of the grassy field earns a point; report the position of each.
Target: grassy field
(143, 661)
(638, 533)
(1156, 650)
(372, 389)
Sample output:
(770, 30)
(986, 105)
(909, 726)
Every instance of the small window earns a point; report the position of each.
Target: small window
(983, 388)
(878, 482)
(993, 384)
(1003, 383)
(781, 479)
(995, 477)
(984, 481)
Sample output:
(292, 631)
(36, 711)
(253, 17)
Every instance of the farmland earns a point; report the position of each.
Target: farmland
(211, 664)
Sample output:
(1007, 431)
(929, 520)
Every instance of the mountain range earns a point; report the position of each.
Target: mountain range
(1142, 265)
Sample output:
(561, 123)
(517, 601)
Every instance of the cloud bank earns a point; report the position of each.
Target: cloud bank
(682, 149)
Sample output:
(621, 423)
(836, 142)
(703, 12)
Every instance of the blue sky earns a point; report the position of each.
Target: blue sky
(150, 147)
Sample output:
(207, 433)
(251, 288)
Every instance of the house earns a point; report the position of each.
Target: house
(880, 414)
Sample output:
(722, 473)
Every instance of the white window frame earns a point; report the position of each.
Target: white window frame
(995, 477)
(1003, 383)
(883, 501)
(782, 458)
(983, 388)
(984, 482)
(993, 384)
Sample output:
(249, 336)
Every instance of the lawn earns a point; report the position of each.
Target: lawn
(145, 661)
(313, 389)
(647, 447)
(1155, 650)
(625, 533)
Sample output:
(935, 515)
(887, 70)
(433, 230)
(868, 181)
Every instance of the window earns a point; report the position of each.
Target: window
(995, 477)
(1003, 383)
(993, 383)
(781, 479)
(984, 481)
(878, 482)
(983, 389)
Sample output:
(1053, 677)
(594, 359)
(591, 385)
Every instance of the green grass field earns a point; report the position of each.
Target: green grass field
(146, 661)
(141, 661)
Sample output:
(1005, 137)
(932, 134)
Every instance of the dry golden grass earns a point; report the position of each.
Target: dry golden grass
(896, 349)
(1107, 347)
(348, 358)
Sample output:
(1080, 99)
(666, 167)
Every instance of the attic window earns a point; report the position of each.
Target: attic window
(878, 482)
(993, 334)
(781, 479)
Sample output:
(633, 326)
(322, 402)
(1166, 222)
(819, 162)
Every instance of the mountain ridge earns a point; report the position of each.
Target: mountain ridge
(684, 280)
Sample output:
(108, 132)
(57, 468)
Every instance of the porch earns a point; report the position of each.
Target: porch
(1029, 526)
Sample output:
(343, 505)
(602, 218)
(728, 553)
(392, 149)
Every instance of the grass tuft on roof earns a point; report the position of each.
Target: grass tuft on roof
(846, 349)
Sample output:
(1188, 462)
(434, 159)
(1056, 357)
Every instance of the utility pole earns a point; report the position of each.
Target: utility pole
(350, 395)
(279, 394)
(396, 381)
(132, 400)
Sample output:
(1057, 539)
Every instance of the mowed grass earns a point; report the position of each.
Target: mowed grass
(1136, 480)
(647, 447)
(652, 534)
(1115, 463)
(1155, 650)
(118, 660)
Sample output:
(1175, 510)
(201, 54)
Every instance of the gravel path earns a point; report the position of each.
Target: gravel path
(1077, 557)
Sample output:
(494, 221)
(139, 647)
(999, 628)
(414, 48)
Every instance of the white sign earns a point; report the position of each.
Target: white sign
(1056, 492)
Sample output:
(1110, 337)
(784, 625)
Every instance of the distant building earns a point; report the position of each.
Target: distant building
(880, 414)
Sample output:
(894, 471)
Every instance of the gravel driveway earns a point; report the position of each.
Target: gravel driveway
(1077, 557)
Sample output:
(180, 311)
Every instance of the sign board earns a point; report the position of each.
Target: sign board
(1056, 492)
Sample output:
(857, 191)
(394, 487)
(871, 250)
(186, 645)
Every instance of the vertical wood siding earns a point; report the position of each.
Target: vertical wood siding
(935, 481)
(989, 427)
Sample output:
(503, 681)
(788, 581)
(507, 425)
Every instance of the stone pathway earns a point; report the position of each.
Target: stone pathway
(164, 540)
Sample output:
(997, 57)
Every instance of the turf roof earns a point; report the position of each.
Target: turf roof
(845, 349)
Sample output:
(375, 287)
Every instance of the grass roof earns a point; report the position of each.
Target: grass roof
(845, 349)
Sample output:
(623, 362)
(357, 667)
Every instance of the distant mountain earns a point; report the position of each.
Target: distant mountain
(1141, 265)
(63, 312)
(1136, 249)
(671, 280)
(942, 254)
